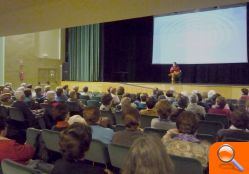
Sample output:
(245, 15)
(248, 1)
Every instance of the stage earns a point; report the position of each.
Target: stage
(228, 91)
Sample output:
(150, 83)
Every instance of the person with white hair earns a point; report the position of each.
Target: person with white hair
(194, 107)
(50, 96)
(27, 113)
(76, 119)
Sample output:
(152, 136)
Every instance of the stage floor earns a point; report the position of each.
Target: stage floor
(228, 91)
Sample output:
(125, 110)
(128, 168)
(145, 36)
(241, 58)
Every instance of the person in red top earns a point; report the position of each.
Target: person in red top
(175, 72)
(220, 107)
(245, 95)
(10, 149)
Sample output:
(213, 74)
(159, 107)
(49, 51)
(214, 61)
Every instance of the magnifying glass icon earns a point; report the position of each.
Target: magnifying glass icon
(226, 154)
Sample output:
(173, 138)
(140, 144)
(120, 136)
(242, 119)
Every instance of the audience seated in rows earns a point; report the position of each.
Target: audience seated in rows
(73, 98)
(194, 107)
(164, 110)
(124, 105)
(219, 107)
(10, 149)
(120, 92)
(150, 110)
(148, 155)
(92, 117)
(132, 131)
(74, 143)
(183, 142)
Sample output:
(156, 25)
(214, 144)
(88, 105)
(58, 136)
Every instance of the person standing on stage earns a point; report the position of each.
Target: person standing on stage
(175, 73)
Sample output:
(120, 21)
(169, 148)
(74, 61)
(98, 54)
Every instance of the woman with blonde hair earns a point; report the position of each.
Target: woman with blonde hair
(147, 155)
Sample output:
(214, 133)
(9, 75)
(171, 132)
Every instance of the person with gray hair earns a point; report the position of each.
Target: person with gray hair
(194, 107)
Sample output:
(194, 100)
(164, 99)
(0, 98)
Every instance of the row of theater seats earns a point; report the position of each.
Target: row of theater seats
(109, 155)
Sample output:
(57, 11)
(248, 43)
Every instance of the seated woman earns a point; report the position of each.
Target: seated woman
(244, 95)
(9, 149)
(132, 131)
(239, 124)
(151, 110)
(182, 103)
(182, 141)
(59, 114)
(74, 143)
(175, 73)
(148, 155)
(106, 101)
(92, 117)
(164, 109)
(219, 108)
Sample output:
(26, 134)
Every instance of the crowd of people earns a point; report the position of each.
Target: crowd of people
(178, 113)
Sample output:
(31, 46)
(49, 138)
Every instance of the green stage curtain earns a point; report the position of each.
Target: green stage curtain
(83, 52)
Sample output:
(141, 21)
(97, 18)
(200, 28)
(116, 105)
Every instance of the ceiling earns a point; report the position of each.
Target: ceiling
(24, 16)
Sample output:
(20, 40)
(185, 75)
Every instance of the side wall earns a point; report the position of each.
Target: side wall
(21, 56)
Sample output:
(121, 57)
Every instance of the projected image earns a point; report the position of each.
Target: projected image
(217, 36)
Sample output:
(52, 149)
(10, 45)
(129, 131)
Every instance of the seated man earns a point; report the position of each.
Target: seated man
(175, 73)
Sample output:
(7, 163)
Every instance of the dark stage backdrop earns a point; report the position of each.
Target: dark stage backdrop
(126, 55)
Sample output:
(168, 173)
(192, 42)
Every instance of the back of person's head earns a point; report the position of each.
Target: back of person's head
(19, 95)
(38, 90)
(159, 93)
(59, 111)
(27, 92)
(72, 95)
(91, 115)
(47, 88)
(65, 87)
(3, 127)
(120, 90)
(76, 119)
(155, 91)
(76, 88)
(113, 90)
(187, 122)
(138, 95)
(133, 97)
(106, 99)
(50, 95)
(163, 108)
(150, 102)
(193, 98)
(131, 118)
(211, 93)
(244, 91)
(170, 93)
(221, 102)
(6, 90)
(29, 86)
(23, 85)
(148, 155)
(143, 97)
(240, 119)
(75, 141)
(59, 91)
(182, 101)
(125, 103)
(85, 89)
(20, 89)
